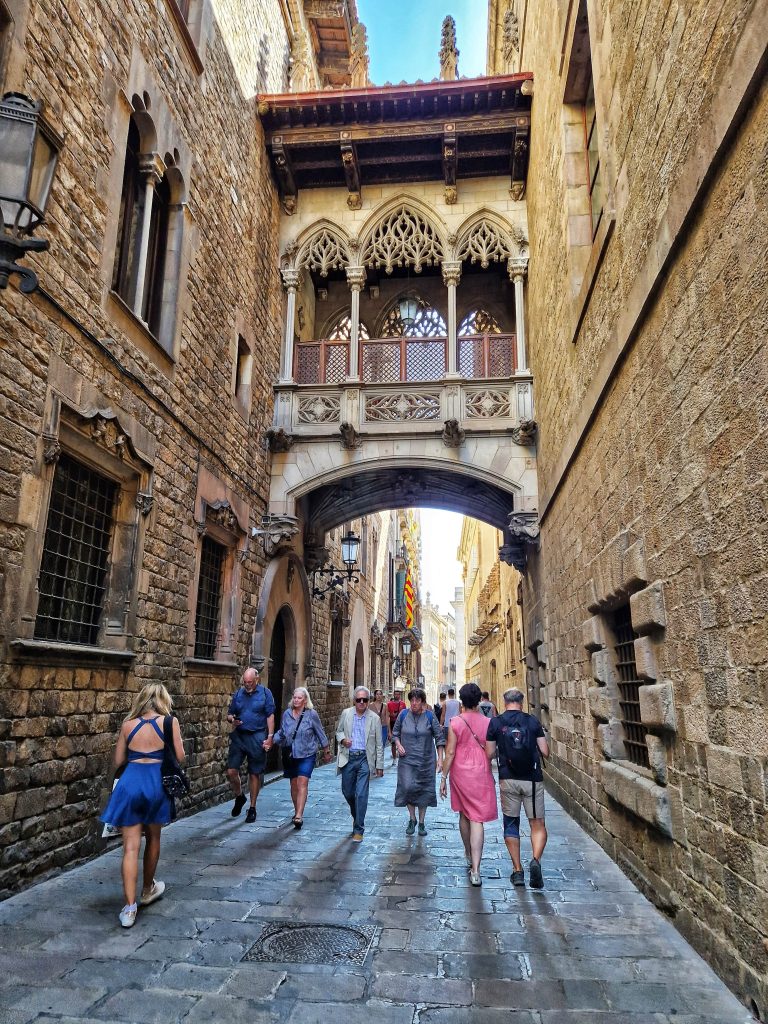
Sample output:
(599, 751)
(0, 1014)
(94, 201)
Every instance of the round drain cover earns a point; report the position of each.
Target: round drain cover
(287, 941)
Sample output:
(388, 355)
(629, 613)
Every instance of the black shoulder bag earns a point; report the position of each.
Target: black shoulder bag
(175, 781)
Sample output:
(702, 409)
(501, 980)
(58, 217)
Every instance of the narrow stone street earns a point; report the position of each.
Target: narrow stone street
(588, 949)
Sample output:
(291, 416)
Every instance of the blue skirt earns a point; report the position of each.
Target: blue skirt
(139, 797)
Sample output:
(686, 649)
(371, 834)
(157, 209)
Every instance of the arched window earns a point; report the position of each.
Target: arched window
(423, 321)
(131, 198)
(156, 255)
(341, 330)
(479, 321)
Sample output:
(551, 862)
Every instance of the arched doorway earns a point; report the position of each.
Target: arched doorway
(280, 677)
(359, 675)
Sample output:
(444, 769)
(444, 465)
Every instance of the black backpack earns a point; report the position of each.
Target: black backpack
(515, 745)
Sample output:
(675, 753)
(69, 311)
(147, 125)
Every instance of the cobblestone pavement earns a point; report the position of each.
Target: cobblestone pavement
(588, 949)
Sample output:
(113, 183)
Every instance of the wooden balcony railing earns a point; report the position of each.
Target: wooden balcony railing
(405, 360)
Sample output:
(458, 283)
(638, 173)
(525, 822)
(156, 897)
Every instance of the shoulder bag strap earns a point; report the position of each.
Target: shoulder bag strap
(479, 741)
(295, 731)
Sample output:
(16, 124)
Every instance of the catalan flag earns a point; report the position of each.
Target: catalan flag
(408, 593)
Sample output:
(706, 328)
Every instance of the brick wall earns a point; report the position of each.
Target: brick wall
(653, 429)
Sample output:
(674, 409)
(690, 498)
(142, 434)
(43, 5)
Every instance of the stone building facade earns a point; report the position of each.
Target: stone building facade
(645, 595)
(136, 396)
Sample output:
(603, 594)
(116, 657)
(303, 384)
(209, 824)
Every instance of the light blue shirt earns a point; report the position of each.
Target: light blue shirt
(358, 732)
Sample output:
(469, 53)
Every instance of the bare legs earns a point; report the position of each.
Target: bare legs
(473, 837)
(130, 866)
(538, 842)
(299, 788)
(254, 784)
(412, 813)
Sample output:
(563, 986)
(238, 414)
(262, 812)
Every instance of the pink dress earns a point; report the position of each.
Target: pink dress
(473, 791)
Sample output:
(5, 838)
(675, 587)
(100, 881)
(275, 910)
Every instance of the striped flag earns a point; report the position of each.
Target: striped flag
(408, 592)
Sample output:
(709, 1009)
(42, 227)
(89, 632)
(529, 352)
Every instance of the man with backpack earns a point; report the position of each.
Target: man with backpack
(519, 742)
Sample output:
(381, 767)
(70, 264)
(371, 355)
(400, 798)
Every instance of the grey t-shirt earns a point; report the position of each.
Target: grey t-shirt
(452, 708)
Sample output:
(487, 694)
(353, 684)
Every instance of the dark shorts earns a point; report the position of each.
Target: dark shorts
(298, 766)
(244, 745)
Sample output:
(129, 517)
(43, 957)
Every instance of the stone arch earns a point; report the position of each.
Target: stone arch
(285, 584)
(337, 319)
(322, 246)
(434, 324)
(358, 634)
(487, 237)
(404, 231)
(144, 122)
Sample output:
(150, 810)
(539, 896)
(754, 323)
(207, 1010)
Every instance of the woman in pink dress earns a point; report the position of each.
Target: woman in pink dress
(473, 793)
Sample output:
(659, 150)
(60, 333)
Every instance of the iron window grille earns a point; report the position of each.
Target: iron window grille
(209, 587)
(629, 686)
(76, 550)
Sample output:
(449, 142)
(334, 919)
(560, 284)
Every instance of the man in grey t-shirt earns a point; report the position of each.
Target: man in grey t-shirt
(451, 708)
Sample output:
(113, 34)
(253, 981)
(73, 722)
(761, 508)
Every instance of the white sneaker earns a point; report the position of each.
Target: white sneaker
(157, 890)
(128, 916)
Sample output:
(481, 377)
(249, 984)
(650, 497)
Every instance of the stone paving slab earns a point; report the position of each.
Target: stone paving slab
(588, 949)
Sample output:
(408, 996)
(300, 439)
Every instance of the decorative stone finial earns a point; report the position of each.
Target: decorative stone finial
(359, 62)
(449, 55)
(511, 38)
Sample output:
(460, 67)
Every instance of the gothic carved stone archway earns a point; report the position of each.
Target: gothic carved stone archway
(285, 584)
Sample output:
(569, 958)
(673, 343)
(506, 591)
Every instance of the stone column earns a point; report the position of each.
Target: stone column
(356, 280)
(291, 281)
(151, 169)
(451, 278)
(517, 267)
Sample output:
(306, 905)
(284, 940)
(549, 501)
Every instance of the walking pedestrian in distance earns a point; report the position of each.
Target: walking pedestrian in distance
(419, 741)
(473, 791)
(520, 742)
(361, 753)
(451, 708)
(379, 707)
(252, 717)
(438, 708)
(301, 735)
(138, 803)
(394, 707)
(486, 705)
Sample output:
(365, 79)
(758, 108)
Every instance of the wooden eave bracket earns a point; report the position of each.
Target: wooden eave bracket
(519, 162)
(450, 162)
(351, 171)
(289, 193)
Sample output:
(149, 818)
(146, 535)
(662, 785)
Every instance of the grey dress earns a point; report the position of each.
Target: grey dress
(419, 735)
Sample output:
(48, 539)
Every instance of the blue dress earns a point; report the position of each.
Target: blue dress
(139, 797)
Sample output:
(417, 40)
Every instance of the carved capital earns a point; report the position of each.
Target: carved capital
(291, 278)
(517, 267)
(451, 272)
(356, 278)
(151, 168)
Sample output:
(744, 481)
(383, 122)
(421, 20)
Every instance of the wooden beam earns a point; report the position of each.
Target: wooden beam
(450, 162)
(519, 163)
(351, 172)
(289, 193)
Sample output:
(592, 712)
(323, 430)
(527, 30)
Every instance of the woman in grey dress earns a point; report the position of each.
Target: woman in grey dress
(420, 745)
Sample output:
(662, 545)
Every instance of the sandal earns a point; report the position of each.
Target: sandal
(297, 822)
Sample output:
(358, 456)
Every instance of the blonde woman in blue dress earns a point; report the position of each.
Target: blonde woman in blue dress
(139, 805)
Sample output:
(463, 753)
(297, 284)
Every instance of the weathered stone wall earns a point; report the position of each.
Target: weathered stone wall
(651, 371)
(59, 717)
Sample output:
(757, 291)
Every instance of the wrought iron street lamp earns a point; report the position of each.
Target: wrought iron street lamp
(408, 308)
(350, 546)
(29, 149)
(406, 645)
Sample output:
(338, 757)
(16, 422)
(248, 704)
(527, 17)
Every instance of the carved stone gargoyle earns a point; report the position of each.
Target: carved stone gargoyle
(350, 439)
(278, 440)
(453, 436)
(525, 433)
(522, 536)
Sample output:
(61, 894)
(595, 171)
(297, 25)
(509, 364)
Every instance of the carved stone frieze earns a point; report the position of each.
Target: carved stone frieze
(319, 409)
(453, 436)
(487, 402)
(403, 405)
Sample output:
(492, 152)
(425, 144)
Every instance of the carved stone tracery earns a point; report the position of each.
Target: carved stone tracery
(484, 243)
(323, 253)
(403, 239)
(404, 405)
(488, 402)
(319, 409)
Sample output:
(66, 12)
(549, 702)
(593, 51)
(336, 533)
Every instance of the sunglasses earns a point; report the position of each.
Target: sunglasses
(361, 700)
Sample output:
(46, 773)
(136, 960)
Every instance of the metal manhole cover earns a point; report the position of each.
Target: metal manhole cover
(289, 942)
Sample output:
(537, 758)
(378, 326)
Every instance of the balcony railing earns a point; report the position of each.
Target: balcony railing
(405, 360)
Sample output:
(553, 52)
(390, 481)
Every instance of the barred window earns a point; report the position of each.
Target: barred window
(209, 589)
(76, 549)
(629, 684)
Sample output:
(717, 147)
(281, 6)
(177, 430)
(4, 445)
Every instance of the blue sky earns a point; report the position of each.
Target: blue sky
(404, 37)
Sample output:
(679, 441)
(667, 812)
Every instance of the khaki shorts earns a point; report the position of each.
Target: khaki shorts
(517, 791)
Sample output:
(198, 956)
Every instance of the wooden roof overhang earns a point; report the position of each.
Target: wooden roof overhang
(429, 131)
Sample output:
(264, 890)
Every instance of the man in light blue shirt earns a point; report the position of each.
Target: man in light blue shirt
(361, 752)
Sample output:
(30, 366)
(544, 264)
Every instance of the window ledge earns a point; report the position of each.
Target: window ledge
(597, 253)
(335, 684)
(181, 27)
(72, 654)
(140, 334)
(212, 667)
(638, 794)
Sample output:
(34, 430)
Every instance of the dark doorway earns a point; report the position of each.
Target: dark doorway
(277, 682)
(359, 664)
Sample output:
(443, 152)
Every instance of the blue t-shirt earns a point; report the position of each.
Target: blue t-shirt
(496, 728)
(252, 709)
